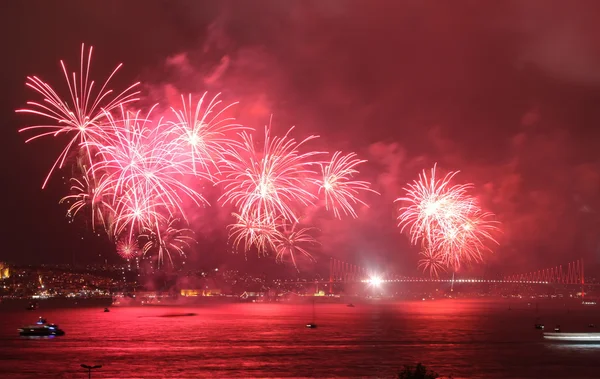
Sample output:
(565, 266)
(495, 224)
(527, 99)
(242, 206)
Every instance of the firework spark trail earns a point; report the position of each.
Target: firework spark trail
(466, 242)
(203, 135)
(86, 193)
(169, 238)
(253, 229)
(339, 189)
(432, 261)
(432, 203)
(146, 175)
(83, 115)
(135, 212)
(447, 221)
(140, 160)
(134, 172)
(267, 228)
(290, 242)
(271, 181)
(128, 248)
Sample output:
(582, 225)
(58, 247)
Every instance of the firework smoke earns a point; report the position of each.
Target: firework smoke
(134, 173)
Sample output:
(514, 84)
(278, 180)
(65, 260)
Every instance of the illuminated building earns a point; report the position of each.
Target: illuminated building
(4, 271)
(200, 292)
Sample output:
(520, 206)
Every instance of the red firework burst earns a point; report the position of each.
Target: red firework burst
(128, 248)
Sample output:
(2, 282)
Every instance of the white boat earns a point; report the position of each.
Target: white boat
(573, 337)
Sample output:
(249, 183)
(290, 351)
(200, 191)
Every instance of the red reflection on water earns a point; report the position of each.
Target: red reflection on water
(462, 338)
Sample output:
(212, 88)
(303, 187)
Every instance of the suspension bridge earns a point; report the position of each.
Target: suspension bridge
(344, 272)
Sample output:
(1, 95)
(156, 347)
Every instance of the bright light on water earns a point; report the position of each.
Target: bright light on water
(376, 281)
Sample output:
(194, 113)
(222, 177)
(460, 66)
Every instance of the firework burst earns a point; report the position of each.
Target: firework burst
(340, 191)
(138, 174)
(432, 203)
(86, 193)
(83, 115)
(139, 160)
(203, 135)
(253, 229)
(449, 224)
(291, 241)
(465, 243)
(136, 212)
(167, 239)
(271, 181)
(128, 248)
(432, 262)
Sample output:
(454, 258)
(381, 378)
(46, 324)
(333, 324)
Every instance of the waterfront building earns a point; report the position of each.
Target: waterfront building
(4, 271)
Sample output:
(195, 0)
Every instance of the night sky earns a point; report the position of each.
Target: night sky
(506, 92)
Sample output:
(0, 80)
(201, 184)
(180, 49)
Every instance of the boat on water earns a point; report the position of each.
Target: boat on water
(312, 324)
(573, 337)
(41, 329)
(32, 306)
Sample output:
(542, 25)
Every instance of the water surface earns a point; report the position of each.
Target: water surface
(466, 339)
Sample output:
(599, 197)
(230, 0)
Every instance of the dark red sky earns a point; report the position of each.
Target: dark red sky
(507, 92)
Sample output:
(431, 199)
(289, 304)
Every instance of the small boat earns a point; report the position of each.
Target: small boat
(41, 329)
(350, 305)
(106, 310)
(539, 326)
(591, 326)
(32, 306)
(573, 337)
(557, 329)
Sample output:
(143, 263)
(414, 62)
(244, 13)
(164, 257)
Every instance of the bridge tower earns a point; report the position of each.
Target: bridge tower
(340, 271)
(574, 275)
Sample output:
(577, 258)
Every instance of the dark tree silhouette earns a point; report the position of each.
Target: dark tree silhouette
(418, 372)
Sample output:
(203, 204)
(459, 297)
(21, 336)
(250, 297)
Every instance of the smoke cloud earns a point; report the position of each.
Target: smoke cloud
(407, 85)
(505, 92)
